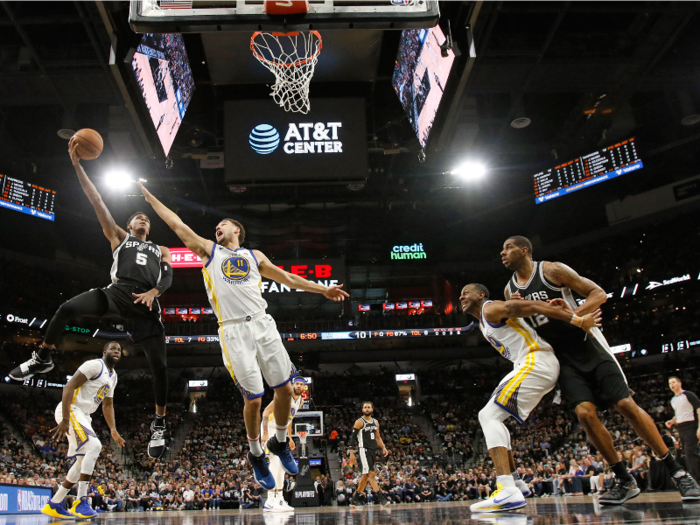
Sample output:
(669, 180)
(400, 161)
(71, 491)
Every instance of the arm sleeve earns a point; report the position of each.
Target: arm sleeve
(353, 438)
(91, 369)
(166, 277)
(693, 399)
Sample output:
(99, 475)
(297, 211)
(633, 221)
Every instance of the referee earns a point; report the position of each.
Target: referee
(686, 407)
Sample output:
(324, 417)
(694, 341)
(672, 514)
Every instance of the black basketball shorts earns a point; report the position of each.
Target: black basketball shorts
(367, 456)
(141, 322)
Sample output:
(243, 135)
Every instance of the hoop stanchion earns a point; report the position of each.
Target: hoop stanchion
(302, 441)
(292, 58)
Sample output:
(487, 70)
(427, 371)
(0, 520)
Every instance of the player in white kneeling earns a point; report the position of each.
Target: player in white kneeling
(535, 373)
(275, 499)
(93, 384)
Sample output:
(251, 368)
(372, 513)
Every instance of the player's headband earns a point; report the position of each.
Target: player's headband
(299, 379)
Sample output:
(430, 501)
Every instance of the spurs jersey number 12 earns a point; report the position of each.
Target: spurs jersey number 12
(512, 338)
(233, 282)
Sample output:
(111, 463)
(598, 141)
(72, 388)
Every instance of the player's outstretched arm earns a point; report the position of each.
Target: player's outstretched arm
(194, 242)
(562, 275)
(496, 311)
(115, 235)
(108, 412)
(269, 270)
(69, 390)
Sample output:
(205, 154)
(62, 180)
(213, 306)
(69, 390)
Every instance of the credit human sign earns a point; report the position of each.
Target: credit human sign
(415, 251)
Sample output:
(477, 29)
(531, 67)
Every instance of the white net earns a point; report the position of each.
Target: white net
(292, 58)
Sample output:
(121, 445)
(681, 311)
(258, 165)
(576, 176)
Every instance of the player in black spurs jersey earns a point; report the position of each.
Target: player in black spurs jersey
(366, 435)
(140, 273)
(590, 377)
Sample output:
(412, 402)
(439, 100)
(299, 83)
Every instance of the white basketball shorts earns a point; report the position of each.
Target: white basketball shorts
(532, 378)
(79, 431)
(252, 349)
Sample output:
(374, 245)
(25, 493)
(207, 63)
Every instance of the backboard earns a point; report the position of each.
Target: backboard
(201, 16)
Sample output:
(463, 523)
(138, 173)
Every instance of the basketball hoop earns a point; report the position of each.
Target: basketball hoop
(302, 441)
(292, 58)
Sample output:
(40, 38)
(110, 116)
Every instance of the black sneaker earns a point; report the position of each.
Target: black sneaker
(620, 492)
(156, 445)
(282, 451)
(687, 486)
(356, 501)
(34, 366)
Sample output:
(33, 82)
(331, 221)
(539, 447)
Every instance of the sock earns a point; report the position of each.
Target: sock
(281, 433)
(44, 353)
(160, 421)
(82, 488)
(255, 446)
(621, 472)
(60, 495)
(671, 464)
(515, 475)
(507, 481)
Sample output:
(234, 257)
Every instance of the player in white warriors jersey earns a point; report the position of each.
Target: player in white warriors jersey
(93, 384)
(251, 346)
(535, 372)
(275, 500)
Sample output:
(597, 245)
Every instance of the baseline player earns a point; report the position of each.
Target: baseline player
(590, 378)
(275, 498)
(535, 372)
(250, 343)
(93, 384)
(366, 434)
(140, 272)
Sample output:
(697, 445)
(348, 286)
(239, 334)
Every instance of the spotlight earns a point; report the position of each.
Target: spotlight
(470, 171)
(118, 179)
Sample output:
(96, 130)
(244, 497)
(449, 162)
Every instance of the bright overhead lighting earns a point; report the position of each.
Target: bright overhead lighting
(119, 179)
(470, 171)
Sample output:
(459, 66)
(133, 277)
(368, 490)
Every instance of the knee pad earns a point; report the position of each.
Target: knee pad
(92, 450)
(491, 418)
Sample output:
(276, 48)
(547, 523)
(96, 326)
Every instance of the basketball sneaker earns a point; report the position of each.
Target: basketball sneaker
(261, 471)
(56, 510)
(281, 450)
(35, 365)
(501, 499)
(687, 486)
(81, 509)
(156, 445)
(523, 488)
(620, 492)
(356, 501)
(286, 505)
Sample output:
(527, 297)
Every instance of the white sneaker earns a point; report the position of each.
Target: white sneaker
(269, 506)
(286, 506)
(523, 488)
(501, 500)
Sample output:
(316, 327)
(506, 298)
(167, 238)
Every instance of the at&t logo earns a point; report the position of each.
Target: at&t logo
(264, 139)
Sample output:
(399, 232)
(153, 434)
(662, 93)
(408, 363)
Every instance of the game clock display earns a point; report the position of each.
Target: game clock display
(26, 197)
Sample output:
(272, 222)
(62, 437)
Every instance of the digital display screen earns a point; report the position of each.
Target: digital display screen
(182, 311)
(388, 306)
(401, 306)
(165, 79)
(26, 197)
(426, 304)
(363, 307)
(420, 76)
(405, 377)
(207, 311)
(169, 311)
(599, 166)
(198, 383)
(338, 336)
(267, 144)
(414, 305)
(195, 311)
(184, 258)
(315, 462)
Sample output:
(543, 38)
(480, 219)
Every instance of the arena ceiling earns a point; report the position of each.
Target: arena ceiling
(586, 73)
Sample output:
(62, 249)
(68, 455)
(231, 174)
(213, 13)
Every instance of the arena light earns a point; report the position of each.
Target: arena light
(118, 179)
(470, 171)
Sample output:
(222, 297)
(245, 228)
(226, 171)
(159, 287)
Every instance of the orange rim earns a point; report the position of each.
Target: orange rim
(280, 64)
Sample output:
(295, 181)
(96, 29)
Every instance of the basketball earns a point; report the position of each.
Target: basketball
(90, 143)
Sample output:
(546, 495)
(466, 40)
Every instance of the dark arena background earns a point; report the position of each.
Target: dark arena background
(436, 132)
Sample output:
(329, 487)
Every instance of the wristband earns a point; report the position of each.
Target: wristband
(576, 320)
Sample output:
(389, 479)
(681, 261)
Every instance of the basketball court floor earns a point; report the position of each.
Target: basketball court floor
(650, 509)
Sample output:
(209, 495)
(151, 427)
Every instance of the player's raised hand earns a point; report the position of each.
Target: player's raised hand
(292, 445)
(561, 303)
(117, 438)
(335, 293)
(592, 320)
(515, 296)
(73, 150)
(61, 430)
(145, 191)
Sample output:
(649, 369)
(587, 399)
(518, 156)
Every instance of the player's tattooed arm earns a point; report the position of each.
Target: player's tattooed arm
(562, 275)
(115, 235)
(496, 311)
(199, 245)
(269, 270)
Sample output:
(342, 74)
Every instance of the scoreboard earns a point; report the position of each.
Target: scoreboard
(596, 167)
(339, 336)
(25, 197)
